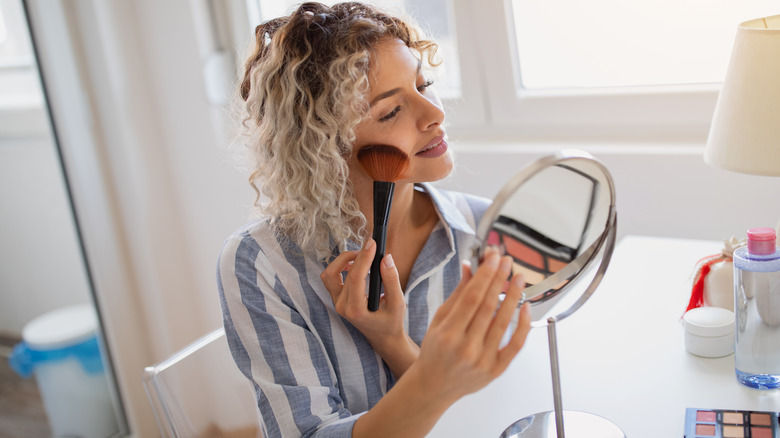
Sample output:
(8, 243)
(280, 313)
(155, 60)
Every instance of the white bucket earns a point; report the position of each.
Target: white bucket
(61, 349)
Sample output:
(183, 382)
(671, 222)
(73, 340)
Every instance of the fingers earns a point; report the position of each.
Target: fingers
(356, 278)
(487, 309)
(504, 315)
(517, 340)
(394, 295)
(444, 309)
(469, 300)
(332, 276)
(357, 263)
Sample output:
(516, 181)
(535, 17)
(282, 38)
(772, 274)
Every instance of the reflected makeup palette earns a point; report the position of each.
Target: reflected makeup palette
(718, 423)
(535, 255)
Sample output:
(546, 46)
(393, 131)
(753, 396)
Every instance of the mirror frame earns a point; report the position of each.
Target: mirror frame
(584, 261)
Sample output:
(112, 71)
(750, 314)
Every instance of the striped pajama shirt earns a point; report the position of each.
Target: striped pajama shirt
(312, 371)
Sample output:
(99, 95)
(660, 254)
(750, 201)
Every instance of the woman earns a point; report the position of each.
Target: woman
(321, 84)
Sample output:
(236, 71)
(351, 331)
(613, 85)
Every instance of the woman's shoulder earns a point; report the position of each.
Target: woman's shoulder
(253, 243)
(252, 232)
(259, 243)
(256, 253)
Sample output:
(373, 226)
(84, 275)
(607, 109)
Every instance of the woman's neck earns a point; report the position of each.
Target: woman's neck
(412, 218)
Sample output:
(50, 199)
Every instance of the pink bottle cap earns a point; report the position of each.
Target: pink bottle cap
(761, 241)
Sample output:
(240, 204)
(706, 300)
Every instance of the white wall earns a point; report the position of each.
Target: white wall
(41, 268)
(662, 189)
(158, 196)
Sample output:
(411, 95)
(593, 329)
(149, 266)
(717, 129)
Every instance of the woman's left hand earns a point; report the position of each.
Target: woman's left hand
(384, 328)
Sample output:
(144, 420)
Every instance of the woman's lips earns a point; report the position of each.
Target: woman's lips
(436, 148)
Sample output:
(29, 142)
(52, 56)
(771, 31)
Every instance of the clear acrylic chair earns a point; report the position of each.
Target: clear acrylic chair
(199, 392)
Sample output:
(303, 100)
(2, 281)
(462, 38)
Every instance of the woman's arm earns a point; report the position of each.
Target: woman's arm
(460, 353)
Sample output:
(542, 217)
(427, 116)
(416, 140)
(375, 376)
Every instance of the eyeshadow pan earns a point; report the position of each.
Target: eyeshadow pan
(732, 418)
(761, 432)
(705, 416)
(554, 265)
(733, 432)
(531, 276)
(705, 429)
(524, 253)
(493, 239)
(760, 419)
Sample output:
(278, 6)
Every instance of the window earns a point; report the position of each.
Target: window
(607, 43)
(562, 70)
(21, 100)
(434, 16)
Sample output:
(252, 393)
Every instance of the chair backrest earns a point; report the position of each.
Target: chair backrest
(199, 392)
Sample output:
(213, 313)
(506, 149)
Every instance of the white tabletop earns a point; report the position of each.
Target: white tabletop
(622, 355)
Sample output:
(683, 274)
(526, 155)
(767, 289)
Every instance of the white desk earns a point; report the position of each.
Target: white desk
(622, 355)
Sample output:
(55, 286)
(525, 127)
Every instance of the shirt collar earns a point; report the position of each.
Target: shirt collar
(452, 217)
(447, 209)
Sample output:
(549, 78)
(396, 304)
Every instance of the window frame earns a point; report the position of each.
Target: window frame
(493, 105)
(511, 112)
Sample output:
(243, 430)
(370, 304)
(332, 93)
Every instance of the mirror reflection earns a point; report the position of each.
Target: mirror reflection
(551, 219)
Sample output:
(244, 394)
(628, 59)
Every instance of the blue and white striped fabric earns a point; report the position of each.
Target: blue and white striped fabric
(313, 372)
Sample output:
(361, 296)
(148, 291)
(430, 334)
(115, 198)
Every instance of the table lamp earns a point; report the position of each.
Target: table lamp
(745, 132)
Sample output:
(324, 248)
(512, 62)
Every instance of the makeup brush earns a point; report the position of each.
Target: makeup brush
(385, 165)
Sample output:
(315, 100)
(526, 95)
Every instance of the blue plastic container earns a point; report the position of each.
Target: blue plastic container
(62, 350)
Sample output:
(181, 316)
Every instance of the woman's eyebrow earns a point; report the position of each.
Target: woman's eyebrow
(389, 93)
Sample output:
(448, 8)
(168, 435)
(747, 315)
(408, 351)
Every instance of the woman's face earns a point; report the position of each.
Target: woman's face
(405, 113)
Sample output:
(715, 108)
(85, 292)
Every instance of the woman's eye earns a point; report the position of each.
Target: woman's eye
(390, 115)
(422, 87)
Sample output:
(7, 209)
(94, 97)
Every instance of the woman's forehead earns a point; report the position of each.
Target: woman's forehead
(390, 58)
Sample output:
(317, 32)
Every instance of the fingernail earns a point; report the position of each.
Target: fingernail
(369, 243)
(506, 264)
(388, 261)
(492, 259)
(519, 280)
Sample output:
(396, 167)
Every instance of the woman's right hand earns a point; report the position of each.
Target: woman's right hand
(384, 328)
(461, 351)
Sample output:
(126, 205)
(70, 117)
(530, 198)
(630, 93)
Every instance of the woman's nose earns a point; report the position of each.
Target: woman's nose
(431, 113)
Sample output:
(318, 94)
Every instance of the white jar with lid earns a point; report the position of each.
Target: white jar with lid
(709, 331)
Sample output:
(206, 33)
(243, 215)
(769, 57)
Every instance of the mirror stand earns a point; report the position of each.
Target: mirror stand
(551, 423)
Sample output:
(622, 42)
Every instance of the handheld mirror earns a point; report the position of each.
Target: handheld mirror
(557, 220)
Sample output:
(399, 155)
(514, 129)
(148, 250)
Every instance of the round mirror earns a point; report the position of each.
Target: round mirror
(553, 218)
(556, 219)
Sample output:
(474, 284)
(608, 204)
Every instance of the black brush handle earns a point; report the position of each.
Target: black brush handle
(383, 199)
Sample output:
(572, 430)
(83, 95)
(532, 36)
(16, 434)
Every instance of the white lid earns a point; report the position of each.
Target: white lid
(61, 328)
(709, 321)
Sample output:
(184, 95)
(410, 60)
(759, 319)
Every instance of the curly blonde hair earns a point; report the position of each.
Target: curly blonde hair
(305, 87)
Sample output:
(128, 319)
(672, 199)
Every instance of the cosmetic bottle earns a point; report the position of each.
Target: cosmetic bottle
(757, 310)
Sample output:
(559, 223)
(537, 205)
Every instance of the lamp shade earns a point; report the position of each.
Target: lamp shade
(745, 132)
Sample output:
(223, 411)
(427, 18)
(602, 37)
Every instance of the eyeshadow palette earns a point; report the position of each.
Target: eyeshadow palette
(535, 255)
(718, 423)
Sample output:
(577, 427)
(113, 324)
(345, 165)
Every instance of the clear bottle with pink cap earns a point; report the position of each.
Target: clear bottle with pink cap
(757, 310)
